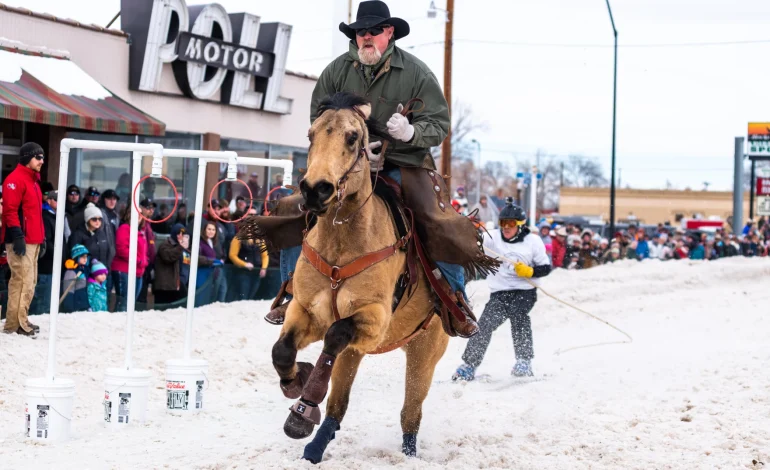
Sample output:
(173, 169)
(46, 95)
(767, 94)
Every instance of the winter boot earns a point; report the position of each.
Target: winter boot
(465, 372)
(523, 368)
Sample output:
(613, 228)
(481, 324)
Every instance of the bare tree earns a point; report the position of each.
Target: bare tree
(464, 123)
(583, 172)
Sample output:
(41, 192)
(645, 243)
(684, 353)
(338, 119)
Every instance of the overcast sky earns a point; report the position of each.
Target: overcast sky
(540, 73)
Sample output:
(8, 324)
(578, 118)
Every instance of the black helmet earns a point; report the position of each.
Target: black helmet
(511, 211)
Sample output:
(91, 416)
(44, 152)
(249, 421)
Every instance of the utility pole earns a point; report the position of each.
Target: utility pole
(446, 148)
(561, 174)
(614, 105)
(738, 187)
(350, 11)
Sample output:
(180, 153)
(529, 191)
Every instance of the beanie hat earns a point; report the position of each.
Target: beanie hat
(92, 212)
(98, 268)
(78, 251)
(29, 150)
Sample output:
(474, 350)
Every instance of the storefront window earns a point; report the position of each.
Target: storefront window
(110, 169)
(182, 171)
(102, 169)
(254, 176)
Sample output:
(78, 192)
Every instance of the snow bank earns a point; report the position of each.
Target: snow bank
(692, 391)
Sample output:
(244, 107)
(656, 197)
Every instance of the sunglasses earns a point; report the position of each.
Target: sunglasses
(39, 157)
(374, 31)
(511, 223)
(74, 193)
(97, 219)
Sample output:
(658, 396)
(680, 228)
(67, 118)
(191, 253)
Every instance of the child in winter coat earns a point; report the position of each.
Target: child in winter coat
(75, 281)
(97, 288)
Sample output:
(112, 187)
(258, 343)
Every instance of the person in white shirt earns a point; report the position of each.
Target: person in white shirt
(513, 290)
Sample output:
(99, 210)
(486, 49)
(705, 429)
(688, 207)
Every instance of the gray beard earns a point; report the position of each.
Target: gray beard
(369, 58)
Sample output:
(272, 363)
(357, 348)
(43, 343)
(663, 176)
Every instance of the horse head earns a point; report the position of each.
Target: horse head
(337, 165)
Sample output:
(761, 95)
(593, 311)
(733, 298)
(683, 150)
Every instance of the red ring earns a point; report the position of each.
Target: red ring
(176, 200)
(245, 214)
(267, 198)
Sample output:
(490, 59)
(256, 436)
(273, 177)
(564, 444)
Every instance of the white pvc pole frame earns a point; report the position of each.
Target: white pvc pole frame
(204, 157)
(66, 145)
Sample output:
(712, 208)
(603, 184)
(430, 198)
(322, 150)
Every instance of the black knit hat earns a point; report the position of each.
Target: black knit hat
(28, 151)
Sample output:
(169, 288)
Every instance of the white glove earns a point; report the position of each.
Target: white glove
(399, 127)
(375, 161)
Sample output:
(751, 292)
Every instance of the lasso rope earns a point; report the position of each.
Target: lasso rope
(559, 351)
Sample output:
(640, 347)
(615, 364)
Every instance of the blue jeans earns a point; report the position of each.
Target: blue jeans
(453, 273)
(120, 280)
(245, 284)
(41, 303)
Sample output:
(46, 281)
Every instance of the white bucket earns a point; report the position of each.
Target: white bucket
(125, 396)
(186, 382)
(48, 409)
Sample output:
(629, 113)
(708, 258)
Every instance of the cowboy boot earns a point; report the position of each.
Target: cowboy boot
(278, 309)
(277, 315)
(446, 235)
(469, 327)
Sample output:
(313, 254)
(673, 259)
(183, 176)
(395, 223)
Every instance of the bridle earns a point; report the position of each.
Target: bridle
(341, 183)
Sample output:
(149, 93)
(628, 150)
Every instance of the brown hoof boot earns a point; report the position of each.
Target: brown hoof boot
(34, 327)
(293, 389)
(277, 315)
(464, 329)
(301, 420)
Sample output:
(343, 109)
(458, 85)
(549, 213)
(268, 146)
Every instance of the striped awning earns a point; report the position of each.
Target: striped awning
(52, 90)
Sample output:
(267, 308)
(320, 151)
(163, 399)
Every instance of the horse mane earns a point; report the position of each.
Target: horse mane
(347, 100)
(343, 100)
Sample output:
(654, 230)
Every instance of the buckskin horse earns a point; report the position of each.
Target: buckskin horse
(344, 284)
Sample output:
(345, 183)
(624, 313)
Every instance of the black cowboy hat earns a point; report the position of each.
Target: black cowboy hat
(372, 13)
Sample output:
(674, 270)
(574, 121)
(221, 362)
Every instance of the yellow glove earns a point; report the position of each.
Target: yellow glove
(522, 270)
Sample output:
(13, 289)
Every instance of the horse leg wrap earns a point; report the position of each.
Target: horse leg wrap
(307, 411)
(409, 445)
(293, 388)
(318, 383)
(314, 451)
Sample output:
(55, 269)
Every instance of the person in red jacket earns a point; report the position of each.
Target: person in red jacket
(24, 235)
(559, 248)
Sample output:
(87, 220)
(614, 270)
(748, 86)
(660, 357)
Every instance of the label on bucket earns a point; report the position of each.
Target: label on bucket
(177, 397)
(107, 407)
(199, 395)
(42, 421)
(124, 408)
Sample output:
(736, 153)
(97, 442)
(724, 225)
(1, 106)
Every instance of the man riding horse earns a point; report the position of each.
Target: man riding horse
(389, 77)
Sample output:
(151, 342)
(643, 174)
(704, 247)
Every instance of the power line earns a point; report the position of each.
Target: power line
(595, 46)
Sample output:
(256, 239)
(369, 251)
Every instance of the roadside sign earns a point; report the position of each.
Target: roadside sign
(763, 205)
(763, 186)
(759, 139)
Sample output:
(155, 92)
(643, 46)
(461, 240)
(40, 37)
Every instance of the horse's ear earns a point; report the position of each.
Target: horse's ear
(365, 109)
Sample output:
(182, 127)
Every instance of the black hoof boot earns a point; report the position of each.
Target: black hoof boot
(297, 427)
(314, 452)
(409, 447)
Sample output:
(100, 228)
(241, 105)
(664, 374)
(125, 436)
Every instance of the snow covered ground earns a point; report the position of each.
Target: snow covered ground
(691, 391)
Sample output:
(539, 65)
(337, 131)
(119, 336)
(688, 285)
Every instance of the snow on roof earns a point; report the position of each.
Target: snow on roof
(56, 19)
(53, 69)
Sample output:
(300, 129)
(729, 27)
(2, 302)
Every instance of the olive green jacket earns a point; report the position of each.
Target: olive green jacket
(401, 78)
